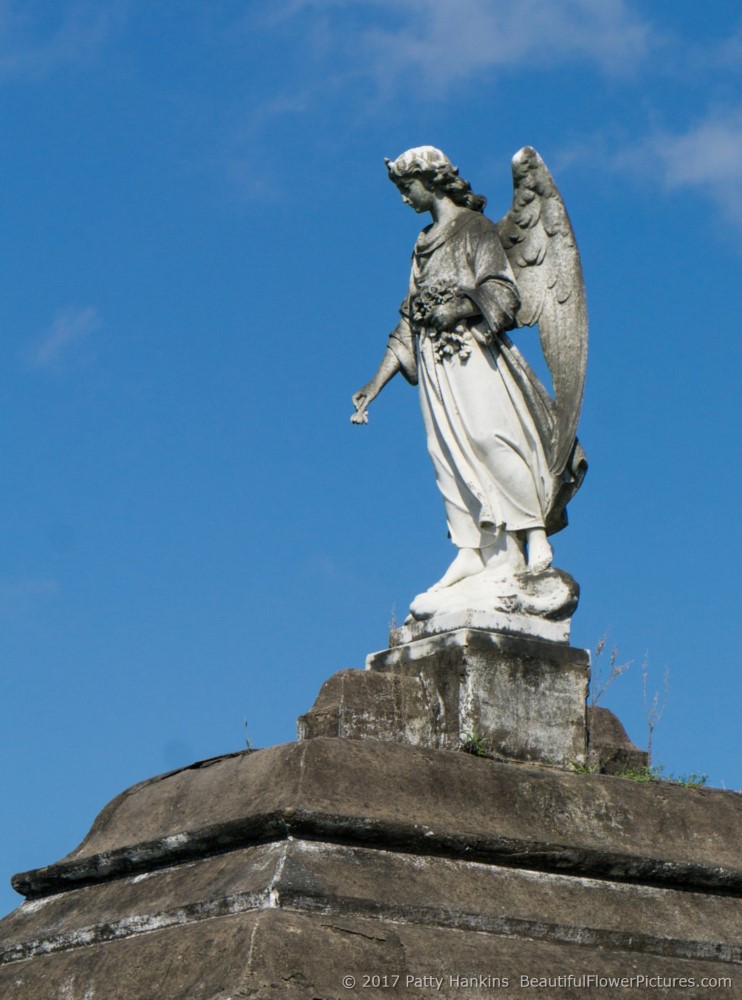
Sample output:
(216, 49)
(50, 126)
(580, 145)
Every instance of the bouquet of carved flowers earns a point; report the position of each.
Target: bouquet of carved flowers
(446, 343)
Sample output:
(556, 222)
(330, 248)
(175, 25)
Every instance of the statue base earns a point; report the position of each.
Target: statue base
(531, 604)
(499, 622)
(505, 696)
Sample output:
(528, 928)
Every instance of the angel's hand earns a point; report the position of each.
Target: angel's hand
(444, 317)
(361, 400)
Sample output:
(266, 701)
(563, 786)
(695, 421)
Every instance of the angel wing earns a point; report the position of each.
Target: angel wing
(538, 240)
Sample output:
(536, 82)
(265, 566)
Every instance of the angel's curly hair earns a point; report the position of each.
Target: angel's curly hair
(436, 170)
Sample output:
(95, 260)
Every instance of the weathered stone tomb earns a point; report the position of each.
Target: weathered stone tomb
(373, 859)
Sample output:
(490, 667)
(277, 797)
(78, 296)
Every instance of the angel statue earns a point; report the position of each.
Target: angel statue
(505, 453)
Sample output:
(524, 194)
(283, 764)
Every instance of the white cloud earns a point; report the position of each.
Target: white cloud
(68, 329)
(706, 157)
(35, 47)
(437, 42)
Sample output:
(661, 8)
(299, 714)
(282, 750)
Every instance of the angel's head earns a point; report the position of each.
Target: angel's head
(437, 175)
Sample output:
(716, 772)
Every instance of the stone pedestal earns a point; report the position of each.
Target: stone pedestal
(512, 697)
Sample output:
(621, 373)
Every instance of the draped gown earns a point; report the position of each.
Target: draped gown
(488, 419)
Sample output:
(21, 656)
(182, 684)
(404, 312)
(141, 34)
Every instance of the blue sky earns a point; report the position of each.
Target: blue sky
(202, 257)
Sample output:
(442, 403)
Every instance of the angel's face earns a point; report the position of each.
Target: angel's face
(416, 194)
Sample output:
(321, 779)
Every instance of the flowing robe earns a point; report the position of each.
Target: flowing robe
(488, 419)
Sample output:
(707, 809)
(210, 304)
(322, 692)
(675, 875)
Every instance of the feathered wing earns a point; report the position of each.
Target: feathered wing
(538, 240)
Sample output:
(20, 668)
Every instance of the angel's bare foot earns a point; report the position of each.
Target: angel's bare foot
(467, 563)
(504, 557)
(540, 553)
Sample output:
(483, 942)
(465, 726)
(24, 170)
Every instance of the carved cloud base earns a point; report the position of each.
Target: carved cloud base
(540, 605)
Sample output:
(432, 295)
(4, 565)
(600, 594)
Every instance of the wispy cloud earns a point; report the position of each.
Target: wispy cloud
(708, 155)
(443, 42)
(27, 588)
(358, 56)
(435, 43)
(35, 43)
(251, 176)
(68, 329)
(720, 55)
(706, 158)
(18, 597)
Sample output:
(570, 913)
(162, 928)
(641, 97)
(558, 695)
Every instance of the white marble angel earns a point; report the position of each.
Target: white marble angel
(505, 453)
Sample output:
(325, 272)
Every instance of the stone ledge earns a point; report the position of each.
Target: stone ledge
(413, 799)
(272, 875)
(281, 955)
(429, 890)
(609, 749)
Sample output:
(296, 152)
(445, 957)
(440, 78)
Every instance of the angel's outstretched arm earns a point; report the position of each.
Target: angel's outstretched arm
(366, 394)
